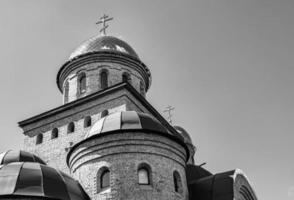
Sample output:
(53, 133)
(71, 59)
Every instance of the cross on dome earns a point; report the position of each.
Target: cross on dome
(103, 21)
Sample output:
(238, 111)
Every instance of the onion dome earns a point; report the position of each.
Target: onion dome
(126, 120)
(104, 43)
(27, 179)
(185, 135)
(19, 156)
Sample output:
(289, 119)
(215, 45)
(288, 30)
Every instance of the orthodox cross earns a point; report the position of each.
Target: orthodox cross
(103, 21)
(169, 109)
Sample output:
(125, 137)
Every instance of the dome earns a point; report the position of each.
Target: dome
(185, 135)
(104, 43)
(37, 180)
(126, 120)
(19, 156)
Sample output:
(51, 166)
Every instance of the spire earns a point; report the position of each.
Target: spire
(103, 21)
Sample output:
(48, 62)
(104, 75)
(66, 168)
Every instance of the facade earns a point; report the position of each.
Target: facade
(113, 141)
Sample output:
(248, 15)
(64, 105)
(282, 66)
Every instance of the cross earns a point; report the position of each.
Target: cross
(168, 110)
(103, 21)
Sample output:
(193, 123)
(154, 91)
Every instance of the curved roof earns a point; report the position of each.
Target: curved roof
(126, 120)
(37, 180)
(103, 43)
(185, 135)
(19, 156)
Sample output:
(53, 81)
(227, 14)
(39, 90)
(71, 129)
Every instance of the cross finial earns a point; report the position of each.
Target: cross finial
(168, 110)
(103, 21)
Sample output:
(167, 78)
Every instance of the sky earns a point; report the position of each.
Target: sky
(226, 66)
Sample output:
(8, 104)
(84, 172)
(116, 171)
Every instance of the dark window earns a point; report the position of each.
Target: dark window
(87, 122)
(82, 82)
(71, 127)
(39, 139)
(177, 182)
(105, 179)
(142, 90)
(66, 90)
(104, 113)
(126, 77)
(54, 133)
(104, 79)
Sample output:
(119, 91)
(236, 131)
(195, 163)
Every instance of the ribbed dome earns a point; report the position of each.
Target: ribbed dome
(37, 180)
(104, 43)
(125, 121)
(19, 156)
(185, 135)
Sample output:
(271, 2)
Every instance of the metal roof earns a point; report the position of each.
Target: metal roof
(124, 121)
(103, 43)
(19, 156)
(37, 180)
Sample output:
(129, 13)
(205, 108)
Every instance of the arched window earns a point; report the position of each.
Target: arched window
(65, 91)
(142, 90)
(39, 139)
(87, 122)
(104, 113)
(82, 83)
(126, 77)
(177, 182)
(104, 79)
(54, 133)
(105, 179)
(144, 174)
(71, 127)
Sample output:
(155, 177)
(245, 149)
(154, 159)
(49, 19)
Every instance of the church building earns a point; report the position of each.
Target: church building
(107, 142)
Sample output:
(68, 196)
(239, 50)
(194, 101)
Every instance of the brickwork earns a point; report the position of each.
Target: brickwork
(93, 71)
(53, 151)
(122, 153)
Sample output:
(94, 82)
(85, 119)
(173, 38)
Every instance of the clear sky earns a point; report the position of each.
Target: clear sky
(226, 66)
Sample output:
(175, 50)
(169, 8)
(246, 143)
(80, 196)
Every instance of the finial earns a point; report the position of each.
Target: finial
(103, 21)
(168, 110)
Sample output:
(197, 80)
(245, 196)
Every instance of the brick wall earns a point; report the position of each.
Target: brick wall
(92, 72)
(122, 153)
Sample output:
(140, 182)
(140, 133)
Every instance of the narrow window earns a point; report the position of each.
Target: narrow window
(104, 113)
(142, 90)
(87, 122)
(65, 91)
(39, 139)
(177, 182)
(104, 79)
(105, 179)
(126, 77)
(144, 174)
(82, 83)
(54, 133)
(71, 127)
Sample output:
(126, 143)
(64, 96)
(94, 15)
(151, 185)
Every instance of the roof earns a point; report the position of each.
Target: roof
(228, 185)
(103, 43)
(184, 134)
(37, 180)
(96, 95)
(126, 120)
(19, 156)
